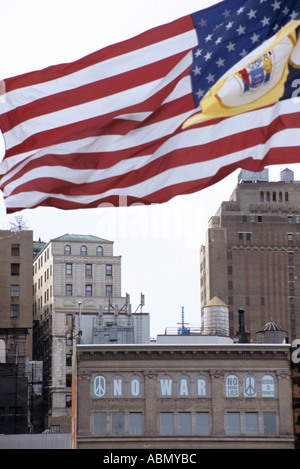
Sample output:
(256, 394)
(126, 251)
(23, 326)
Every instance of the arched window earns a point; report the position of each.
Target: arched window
(99, 386)
(67, 250)
(117, 386)
(83, 251)
(184, 386)
(165, 386)
(202, 386)
(250, 386)
(135, 386)
(268, 386)
(99, 251)
(232, 386)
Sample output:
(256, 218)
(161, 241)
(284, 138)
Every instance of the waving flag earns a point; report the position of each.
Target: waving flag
(168, 112)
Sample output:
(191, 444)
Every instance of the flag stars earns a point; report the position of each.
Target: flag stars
(200, 93)
(229, 25)
(203, 23)
(240, 10)
(207, 56)
(252, 14)
(265, 21)
(254, 38)
(218, 41)
(241, 30)
(276, 5)
(243, 53)
(210, 78)
(220, 62)
(230, 47)
(208, 38)
(198, 53)
(226, 14)
(197, 70)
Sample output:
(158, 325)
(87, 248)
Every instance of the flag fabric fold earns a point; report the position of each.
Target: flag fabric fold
(165, 113)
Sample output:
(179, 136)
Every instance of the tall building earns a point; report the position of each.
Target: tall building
(16, 255)
(73, 276)
(251, 258)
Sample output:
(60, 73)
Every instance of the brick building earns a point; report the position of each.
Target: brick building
(176, 396)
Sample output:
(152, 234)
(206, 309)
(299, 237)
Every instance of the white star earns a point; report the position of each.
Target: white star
(207, 56)
(252, 14)
(229, 25)
(244, 52)
(197, 70)
(208, 38)
(198, 53)
(262, 1)
(285, 11)
(265, 21)
(200, 93)
(293, 15)
(226, 14)
(218, 40)
(276, 5)
(210, 78)
(230, 46)
(240, 10)
(241, 30)
(254, 38)
(220, 62)
(203, 22)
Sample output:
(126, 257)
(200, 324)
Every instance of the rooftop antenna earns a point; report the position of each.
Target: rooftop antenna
(20, 223)
(183, 330)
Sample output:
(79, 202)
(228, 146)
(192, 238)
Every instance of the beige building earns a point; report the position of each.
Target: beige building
(183, 396)
(16, 255)
(251, 258)
(73, 276)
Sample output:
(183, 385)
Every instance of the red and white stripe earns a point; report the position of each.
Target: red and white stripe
(109, 125)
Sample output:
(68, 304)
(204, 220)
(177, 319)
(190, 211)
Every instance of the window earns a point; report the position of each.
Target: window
(270, 425)
(135, 423)
(201, 386)
(202, 423)
(14, 311)
(166, 385)
(15, 269)
(99, 423)
(99, 251)
(15, 249)
(183, 386)
(117, 386)
(108, 290)
(108, 269)
(67, 250)
(259, 219)
(251, 423)
(68, 400)
(166, 423)
(69, 340)
(68, 289)
(250, 387)
(15, 290)
(135, 386)
(88, 269)
(68, 380)
(68, 360)
(117, 423)
(83, 251)
(232, 386)
(184, 423)
(88, 290)
(233, 423)
(99, 386)
(267, 386)
(68, 269)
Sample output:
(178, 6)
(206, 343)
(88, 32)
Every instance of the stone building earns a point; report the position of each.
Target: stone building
(16, 255)
(73, 276)
(183, 396)
(251, 258)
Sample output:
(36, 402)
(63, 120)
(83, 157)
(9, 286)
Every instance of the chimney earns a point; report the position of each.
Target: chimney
(243, 336)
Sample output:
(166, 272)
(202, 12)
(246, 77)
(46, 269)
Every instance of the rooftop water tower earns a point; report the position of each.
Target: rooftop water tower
(216, 318)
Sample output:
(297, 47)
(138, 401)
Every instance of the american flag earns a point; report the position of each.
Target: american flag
(108, 127)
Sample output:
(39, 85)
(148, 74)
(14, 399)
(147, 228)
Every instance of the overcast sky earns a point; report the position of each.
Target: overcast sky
(159, 244)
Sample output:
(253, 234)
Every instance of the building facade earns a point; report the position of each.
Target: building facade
(73, 276)
(183, 396)
(251, 258)
(16, 255)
